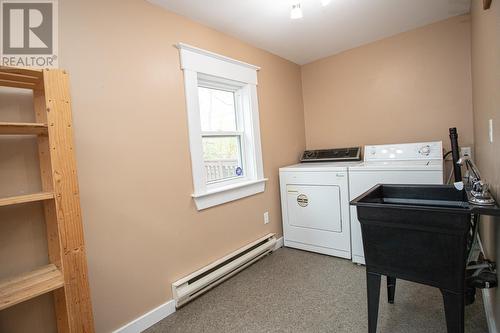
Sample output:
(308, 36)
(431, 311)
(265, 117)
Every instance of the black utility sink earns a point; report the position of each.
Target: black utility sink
(418, 233)
(442, 197)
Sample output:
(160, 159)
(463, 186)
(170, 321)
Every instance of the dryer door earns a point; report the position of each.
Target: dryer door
(314, 207)
(317, 219)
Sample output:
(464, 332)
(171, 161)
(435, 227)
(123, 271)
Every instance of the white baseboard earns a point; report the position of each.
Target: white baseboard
(148, 319)
(279, 243)
(488, 309)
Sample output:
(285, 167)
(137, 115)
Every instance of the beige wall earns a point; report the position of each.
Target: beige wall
(407, 88)
(486, 98)
(141, 226)
(142, 229)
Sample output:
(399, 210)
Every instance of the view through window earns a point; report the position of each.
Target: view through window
(221, 137)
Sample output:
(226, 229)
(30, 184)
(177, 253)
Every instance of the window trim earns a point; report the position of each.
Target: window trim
(202, 66)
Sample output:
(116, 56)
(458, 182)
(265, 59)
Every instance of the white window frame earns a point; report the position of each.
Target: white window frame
(208, 69)
(244, 140)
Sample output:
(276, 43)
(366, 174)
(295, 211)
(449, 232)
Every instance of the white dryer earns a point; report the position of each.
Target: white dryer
(315, 207)
(414, 163)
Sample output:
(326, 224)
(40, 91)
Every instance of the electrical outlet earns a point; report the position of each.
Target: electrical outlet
(266, 217)
(465, 151)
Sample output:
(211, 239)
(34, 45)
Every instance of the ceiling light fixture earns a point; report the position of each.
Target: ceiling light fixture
(325, 2)
(296, 12)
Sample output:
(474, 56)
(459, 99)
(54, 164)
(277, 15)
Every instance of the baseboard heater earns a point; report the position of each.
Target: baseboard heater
(195, 284)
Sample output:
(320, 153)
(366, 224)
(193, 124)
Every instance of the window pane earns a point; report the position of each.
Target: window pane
(217, 110)
(222, 157)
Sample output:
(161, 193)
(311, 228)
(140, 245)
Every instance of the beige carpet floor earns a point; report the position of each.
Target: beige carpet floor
(298, 291)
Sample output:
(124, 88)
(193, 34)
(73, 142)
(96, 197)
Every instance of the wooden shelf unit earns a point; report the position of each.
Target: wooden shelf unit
(29, 285)
(66, 276)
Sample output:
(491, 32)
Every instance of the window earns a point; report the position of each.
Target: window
(224, 135)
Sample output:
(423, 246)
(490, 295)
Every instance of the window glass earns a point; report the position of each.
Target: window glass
(217, 110)
(222, 157)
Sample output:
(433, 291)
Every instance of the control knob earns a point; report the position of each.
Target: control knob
(425, 150)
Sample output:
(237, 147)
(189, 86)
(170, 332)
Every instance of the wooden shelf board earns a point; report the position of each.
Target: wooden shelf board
(30, 285)
(21, 78)
(23, 128)
(22, 71)
(26, 198)
(16, 84)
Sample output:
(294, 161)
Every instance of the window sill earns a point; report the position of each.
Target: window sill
(228, 193)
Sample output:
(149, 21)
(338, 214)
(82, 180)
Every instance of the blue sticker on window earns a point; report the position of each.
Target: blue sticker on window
(239, 171)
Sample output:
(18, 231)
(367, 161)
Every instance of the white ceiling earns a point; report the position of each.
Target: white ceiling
(341, 25)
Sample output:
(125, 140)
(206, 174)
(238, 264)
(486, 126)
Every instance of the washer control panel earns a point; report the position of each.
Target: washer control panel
(332, 155)
(405, 151)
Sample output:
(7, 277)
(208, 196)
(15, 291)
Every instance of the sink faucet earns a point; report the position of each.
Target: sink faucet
(479, 190)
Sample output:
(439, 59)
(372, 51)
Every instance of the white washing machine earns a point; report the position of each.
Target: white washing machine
(414, 163)
(315, 207)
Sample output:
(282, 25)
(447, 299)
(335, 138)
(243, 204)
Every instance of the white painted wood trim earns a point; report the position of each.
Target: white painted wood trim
(215, 55)
(148, 319)
(229, 193)
(255, 120)
(228, 188)
(194, 124)
(211, 68)
(202, 61)
(488, 310)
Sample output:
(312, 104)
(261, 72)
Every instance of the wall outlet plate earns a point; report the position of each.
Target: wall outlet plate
(266, 217)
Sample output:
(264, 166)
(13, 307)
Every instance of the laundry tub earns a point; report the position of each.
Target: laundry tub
(418, 233)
